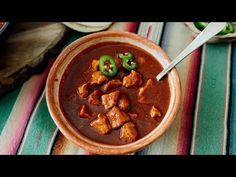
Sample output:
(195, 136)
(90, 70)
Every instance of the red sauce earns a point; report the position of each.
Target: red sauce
(79, 72)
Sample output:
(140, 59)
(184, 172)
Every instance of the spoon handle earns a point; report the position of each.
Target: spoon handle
(211, 30)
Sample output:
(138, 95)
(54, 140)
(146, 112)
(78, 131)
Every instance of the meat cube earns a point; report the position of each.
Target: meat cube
(85, 113)
(123, 102)
(83, 90)
(110, 100)
(134, 79)
(128, 132)
(101, 124)
(94, 98)
(95, 65)
(98, 78)
(115, 83)
(143, 91)
(154, 112)
(117, 117)
(148, 84)
(133, 115)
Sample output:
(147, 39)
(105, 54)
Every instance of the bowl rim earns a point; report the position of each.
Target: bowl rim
(71, 133)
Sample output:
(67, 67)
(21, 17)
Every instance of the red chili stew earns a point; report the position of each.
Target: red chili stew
(116, 109)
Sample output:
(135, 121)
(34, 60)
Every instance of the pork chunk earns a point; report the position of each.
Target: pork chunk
(128, 132)
(143, 91)
(148, 85)
(95, 65)
(83, 90)
(123, 102)
(115, 83)
(101, 124)
(94, 98)
(154, 112)
(85, 113)
(110, 100)
(117, 117)
(98, 78)
(134, 79)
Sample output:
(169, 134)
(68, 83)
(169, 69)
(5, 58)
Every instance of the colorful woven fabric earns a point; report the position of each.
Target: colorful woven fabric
(211, 114)
(19, 113)
(232, 107)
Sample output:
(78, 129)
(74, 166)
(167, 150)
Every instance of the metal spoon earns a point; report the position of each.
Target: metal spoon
(211, 30)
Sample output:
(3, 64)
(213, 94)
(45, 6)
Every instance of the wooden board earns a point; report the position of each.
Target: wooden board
(27, 50)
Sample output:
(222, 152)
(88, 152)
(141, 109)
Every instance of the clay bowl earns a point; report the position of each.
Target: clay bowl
(66, 127)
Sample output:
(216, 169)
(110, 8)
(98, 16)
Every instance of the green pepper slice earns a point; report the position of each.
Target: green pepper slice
(107, 65)
(201, 25)
(126, 55)
(128, 61)
(229, 28)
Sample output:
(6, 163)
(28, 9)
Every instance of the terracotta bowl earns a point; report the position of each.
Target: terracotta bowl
(66, 57)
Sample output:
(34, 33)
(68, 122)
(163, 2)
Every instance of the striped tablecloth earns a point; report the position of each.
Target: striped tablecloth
(205, 124)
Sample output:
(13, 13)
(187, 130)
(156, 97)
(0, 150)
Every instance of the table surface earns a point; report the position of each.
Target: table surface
(205, 123)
